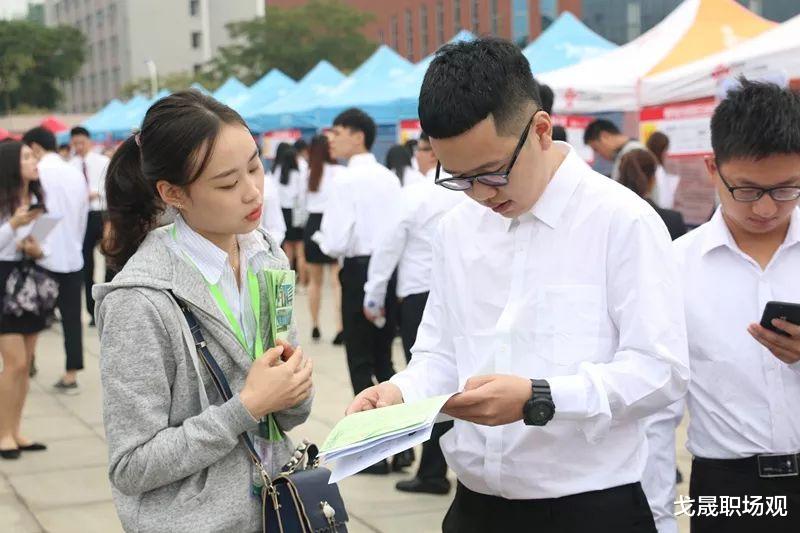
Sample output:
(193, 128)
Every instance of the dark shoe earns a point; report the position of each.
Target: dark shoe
(32, 371)
(33, 447)
(10, 454)
(339, 339)
(403, 460)
(92, 323)
(426, 486)
(315, 334)
(67, 388)
(378, 469)
(678, 477)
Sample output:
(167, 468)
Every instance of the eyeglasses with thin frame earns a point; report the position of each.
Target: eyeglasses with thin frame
(753, 194)
(492, 179)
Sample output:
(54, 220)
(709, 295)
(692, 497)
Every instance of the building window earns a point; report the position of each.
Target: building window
(476, 20)
(439, 22)
(112, 13)
(495, 17)
(423, 30)
(198, 68)
(88, 23)
(99, 17)
(634, 20)
(381, 37)
(520, 27)
(115, 79)
(395, 33)
(196, 39)
(457, 16)
(194, 7)
(409, 35)
(549, 12)
(58, 12)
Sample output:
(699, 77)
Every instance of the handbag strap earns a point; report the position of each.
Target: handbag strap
(219, 379)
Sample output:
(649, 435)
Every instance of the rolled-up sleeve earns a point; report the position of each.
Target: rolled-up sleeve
(338, 221)
(650, 369)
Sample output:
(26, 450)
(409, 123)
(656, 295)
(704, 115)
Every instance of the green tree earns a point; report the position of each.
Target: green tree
(294, 40)
(33, 59)
(175, 81)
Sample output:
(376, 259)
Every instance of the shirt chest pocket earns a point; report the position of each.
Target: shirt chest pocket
(566, 322)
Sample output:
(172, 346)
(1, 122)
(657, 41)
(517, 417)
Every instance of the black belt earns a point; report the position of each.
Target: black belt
(767, 465)
(360, 260)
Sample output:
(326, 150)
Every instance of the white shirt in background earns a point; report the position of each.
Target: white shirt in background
(292, 193)
(317, 200)
(663, 194)
(582, 291)
(96, 168)
(742, 399)
(66, 195)
(408, 244)
(271, 216)
(362, 203)
(412, 177)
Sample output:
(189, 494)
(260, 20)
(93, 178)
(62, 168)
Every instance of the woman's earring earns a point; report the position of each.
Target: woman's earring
(178, 206)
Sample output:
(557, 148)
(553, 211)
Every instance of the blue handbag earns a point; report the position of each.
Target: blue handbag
(299, 499)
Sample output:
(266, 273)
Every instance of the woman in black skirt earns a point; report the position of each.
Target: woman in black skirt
(291, 192)
(19, 190)
(321, 177)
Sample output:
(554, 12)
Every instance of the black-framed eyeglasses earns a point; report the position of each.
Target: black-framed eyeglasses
(492, 179)
(753, 194)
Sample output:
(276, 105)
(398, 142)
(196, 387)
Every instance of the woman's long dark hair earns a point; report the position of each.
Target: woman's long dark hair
(318, 154)
(398, 160)
(658, 143)
(282, 147)
(11, 179)
(637, 170)
(174, 145)
(287, 163)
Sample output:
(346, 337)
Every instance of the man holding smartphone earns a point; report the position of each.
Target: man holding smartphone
(744, 431)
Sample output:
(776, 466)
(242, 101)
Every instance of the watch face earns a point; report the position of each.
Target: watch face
(539, 412)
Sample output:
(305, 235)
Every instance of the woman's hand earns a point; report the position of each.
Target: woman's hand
(30, 247)
(273, 386)
(23, 216)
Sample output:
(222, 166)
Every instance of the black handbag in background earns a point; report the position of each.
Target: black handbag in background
(299, 499)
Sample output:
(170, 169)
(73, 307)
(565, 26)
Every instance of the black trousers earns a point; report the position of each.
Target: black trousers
(69, 307)
(432, 466)
(739, 479)
(93, 236)
(369, 349)
(621, 509)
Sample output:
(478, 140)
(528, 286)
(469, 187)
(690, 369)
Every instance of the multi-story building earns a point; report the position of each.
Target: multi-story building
(126, 38)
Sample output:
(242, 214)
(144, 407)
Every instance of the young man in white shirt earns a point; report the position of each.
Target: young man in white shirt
(363, 201)
(744, 429)
(554, 299)
(604, 137)
(65, 196)
(407, 247)
(92, 167)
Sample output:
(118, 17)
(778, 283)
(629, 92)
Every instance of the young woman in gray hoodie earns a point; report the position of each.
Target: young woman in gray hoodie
(176, 462)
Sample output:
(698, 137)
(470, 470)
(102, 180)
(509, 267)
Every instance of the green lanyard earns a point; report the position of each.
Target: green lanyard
(267, 428)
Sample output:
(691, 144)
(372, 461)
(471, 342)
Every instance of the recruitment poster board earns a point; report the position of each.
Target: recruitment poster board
(271, 140)
(688, 126)
(409, 129)
(575, 125)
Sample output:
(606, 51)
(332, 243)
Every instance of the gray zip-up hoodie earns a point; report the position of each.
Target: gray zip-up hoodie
(173, 466)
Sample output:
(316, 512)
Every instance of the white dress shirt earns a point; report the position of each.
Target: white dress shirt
(317, 200)
(362, 203)
(407, 245)
(96, 168)
(582, 291)
(213, 264)
(65, 196)
(663, 194)
(271, 216)
(9, 237)
(292, 193)
(412, 176)
(742, 399)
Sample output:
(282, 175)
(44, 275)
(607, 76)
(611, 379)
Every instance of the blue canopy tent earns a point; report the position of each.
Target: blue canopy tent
(313, 87)
(111, 122)
(231, 90)
(565, 42)
(94, 122)
(273, 86)
(363, 87)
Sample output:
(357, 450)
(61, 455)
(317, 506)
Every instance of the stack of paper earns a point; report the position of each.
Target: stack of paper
(362, 439)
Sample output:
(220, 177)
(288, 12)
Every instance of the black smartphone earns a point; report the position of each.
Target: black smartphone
(783, 310)
(36, 207)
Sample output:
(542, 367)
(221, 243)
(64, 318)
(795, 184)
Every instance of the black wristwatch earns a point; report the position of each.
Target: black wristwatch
(539, 410)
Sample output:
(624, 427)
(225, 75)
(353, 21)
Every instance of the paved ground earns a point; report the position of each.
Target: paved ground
(65, 490)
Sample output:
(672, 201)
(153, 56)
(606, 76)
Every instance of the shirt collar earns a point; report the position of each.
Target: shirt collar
(718, 234)
(362, 159)
(551, 205)
(209, 259)
(50, 159)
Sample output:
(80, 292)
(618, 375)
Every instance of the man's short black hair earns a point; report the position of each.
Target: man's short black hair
(559, 133)
(547, 96)
(63, 146)
(756, 120)
(424, 137)
(356, 120)
(79, 130)
(596, 127)
(41, 136)
(468, 81)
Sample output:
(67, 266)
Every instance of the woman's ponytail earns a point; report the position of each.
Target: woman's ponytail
(637, 171)
(133, 204)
